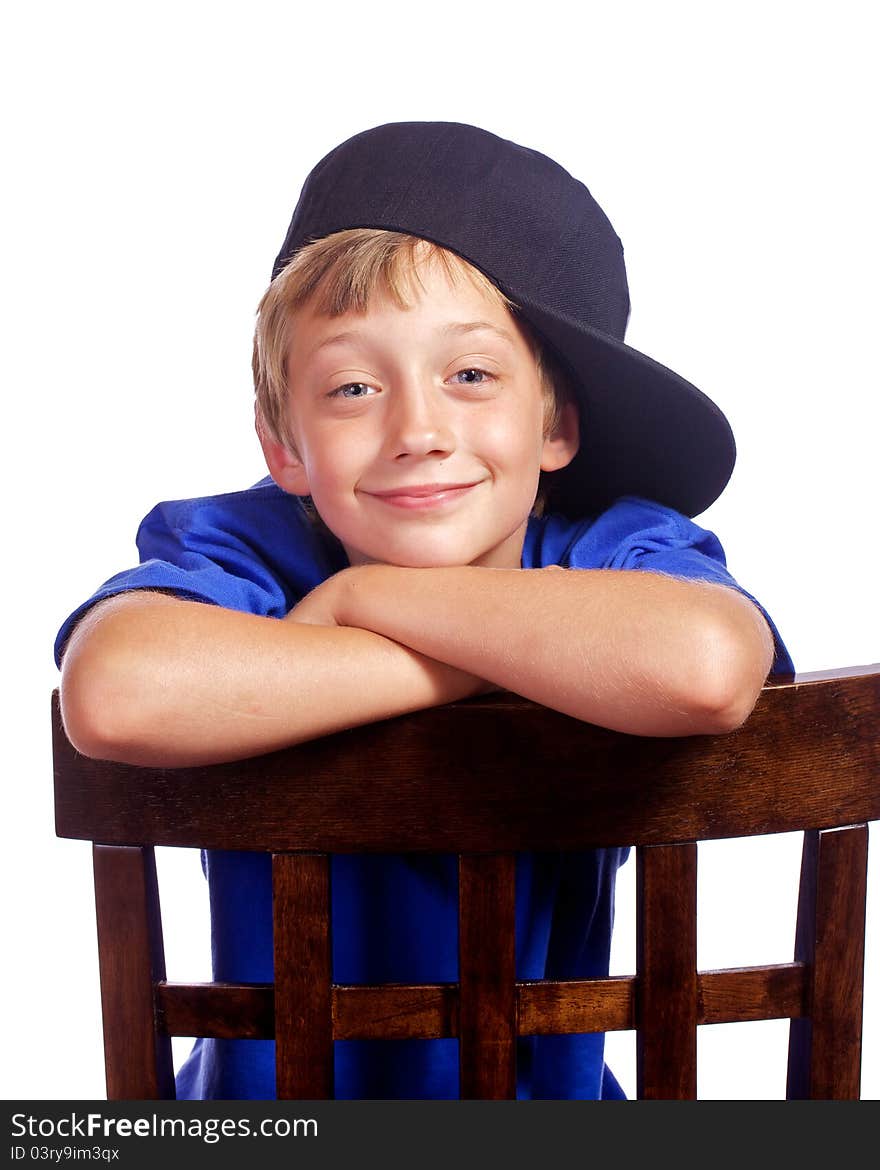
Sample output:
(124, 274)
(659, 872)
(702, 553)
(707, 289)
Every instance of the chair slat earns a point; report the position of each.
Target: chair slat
(666, 958)
(131, 957)
(224, 1011)
(395, 1012)
(429, 1011)
(772, 992)
(825, 1047)
(552, 1007)
(303, 1020)
(487, 975)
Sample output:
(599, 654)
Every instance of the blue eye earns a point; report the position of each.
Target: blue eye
(353, 390)
(472, 376)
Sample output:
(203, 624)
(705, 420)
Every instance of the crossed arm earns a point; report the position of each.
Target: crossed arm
(151, 679)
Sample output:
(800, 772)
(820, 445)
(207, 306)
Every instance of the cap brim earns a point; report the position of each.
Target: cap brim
(645, 430)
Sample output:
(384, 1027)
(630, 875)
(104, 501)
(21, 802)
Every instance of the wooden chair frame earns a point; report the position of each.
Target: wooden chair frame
(485, 779)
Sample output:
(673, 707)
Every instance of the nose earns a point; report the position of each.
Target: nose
(418, 423)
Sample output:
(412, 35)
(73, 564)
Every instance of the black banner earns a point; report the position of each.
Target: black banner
(134, 1134)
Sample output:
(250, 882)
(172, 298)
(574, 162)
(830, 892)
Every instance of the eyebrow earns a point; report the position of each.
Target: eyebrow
(461, 328)
(456, 329)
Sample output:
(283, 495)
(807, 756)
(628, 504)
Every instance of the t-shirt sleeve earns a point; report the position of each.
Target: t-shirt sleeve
(640, 534)
(246, 552)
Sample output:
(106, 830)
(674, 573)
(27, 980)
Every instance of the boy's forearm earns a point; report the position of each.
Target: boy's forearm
(638, 652)
(150, 679)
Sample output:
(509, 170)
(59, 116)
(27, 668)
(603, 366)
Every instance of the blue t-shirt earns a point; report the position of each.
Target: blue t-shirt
(395, 917)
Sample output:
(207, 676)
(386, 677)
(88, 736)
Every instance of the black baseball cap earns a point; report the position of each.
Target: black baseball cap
(539, 235)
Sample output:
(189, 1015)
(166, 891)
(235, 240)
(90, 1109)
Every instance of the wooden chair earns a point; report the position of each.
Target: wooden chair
(461, 779)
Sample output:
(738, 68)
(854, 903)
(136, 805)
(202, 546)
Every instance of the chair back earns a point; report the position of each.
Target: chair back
(485, 779)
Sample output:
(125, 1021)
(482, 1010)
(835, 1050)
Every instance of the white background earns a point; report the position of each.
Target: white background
(153, 154)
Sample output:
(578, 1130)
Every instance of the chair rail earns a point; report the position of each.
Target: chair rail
(502, 774)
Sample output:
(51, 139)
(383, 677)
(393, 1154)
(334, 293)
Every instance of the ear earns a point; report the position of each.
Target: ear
(285, 466)
(561, 445)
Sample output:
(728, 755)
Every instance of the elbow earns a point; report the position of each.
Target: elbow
(734, 660)
(98, 709)
(729, 713)
(90, 714)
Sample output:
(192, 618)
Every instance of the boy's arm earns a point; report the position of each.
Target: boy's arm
(150, 679)
(635, 651)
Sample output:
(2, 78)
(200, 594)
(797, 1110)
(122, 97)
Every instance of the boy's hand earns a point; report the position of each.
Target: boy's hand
(323, 607)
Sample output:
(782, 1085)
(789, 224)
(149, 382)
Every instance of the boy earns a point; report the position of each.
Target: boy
(450, 417)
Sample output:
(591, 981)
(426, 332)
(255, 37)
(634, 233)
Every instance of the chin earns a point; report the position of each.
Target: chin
(418, 557)
(427, 561)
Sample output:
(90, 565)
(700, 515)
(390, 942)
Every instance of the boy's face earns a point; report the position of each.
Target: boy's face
(419, 431)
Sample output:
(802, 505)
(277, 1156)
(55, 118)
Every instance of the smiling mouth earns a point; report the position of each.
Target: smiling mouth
(423, 496)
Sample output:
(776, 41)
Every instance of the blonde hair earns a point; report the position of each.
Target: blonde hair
(340, 273)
